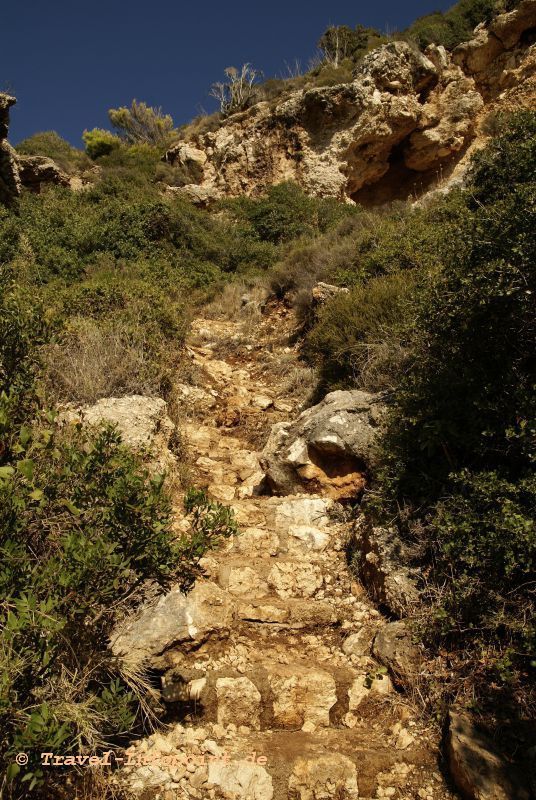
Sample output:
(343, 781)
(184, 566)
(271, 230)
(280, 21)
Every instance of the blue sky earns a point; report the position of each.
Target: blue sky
(68, 62)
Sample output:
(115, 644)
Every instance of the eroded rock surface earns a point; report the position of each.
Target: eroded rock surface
(479, 771)
(402, 123)
(330, 448)
(10, 183)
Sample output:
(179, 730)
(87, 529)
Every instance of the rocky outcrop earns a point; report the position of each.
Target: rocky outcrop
(397, 128)
(10, 184)
(477, 767)
(142, 421)
(16, 171)
(329, 448)
(36, 171)
(382, 563)
(498, 50)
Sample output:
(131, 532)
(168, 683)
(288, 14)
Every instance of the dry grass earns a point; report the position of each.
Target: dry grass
(96, 360)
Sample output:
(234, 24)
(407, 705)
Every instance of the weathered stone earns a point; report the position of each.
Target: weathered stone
(479, 771)
(381, 561)
(176, 617)
(393, 646)
(240, 781)
(35, 171)
(292, 579)
(326, 776)
(10, 183)
(358, 644)
(301, 695)
(330, 447)
(322, 292)
(142, 421)
(238, 702)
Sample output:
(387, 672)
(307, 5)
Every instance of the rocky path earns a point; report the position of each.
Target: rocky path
(266, 666)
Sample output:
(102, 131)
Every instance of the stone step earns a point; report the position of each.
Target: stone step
(211, 762)
(278, 696)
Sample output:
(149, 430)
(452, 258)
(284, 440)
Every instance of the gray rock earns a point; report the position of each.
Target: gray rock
(322, 292)
(10, 184)
(381, 561)
(478, 769)
(393, 646)
(174, 618)
(142, 422)
(330, 447)
(35, 171)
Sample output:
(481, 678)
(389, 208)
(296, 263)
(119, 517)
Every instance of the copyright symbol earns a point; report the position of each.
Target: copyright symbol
(21, 759)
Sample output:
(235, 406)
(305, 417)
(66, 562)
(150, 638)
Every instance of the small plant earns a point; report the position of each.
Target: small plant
(142, 124)
(237, 92)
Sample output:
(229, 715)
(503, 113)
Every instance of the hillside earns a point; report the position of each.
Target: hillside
(267, 433)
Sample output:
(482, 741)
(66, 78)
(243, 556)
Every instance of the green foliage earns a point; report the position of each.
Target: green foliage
(82, 526)
(51, 144)
(99, 142)
(339, 42)
(460, 450)
(361, 338)
(287, 213)
(142, 124)
(452, 27)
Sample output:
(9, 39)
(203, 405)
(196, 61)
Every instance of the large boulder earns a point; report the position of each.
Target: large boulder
(382, 563)
(329, 449)
(478, 769)
(393, 646)
(142, 421)
(35, 171)
(174, 618)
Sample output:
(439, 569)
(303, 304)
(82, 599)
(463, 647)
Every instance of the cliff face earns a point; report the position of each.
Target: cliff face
(9, 172)
(17, 171)
(398, 128)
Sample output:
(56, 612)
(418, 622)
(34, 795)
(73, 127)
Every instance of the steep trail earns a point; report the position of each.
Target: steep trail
(288, 674)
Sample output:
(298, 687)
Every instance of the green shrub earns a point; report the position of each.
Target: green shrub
(82, 526)
(454, 26)
(362, 338)
(460, 450)
(142, 124)
(51, 144)
(99, 142)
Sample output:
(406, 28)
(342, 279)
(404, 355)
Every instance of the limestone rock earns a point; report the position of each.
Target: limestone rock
(142, 421)
(381, 562)
(238, 702)
(176, 617)
(476, 766)
(38, 170)
(302, 695)
(241, 781)
(329, 775)
(322, 292)
(393, 646)
(404, 118)
(10, 183)
(330, 447)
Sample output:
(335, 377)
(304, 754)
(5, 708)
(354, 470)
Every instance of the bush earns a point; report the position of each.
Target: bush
(142, 124)
(361, 339)
(460, 449)
(82, 526)
(454, 26)
(99, 143)
(51, 144)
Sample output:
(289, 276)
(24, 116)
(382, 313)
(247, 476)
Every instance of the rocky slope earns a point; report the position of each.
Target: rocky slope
(398, 128)
(271, 652)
